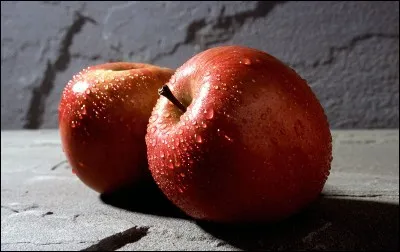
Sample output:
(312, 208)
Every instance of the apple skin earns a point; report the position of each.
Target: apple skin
(103, 114)
(253, 145)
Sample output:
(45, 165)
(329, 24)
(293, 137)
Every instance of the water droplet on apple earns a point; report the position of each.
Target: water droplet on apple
(173, 79)
(153, 118)
(194, 122)
(177, 163)
(198, 138)
(166, 115)
(264, 116)
(299, 128)
(73, 124)
(88, 91)
(163, 126)
(204, 125)
(162, 154)
(228, 138)
(209, 113)
(221, 133)
(216, 87)
(247, 61)
(170, 164)
(182, 175)
(180, 190)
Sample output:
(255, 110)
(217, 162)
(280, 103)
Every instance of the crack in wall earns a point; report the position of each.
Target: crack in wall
(46, 243)
(361, 195)
(34, 206)
(334, 51)
(119, 240)
(51, 2)
(75, 217)
(58, 165)
(227, 25)
(11, 209)
(224, 26)
(47, 213)
(90, 58)
(309, 237)
(34, 116)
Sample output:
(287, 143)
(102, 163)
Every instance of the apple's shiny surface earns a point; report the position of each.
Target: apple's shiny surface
(253, 145)
(103, 115)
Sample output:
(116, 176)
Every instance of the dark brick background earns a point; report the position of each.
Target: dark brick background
(348, 51)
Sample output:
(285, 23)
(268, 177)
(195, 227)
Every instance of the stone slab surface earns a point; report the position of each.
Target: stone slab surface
(45, 207)
(348, 51)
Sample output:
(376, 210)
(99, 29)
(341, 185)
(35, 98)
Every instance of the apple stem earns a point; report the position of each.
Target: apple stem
(166, 92)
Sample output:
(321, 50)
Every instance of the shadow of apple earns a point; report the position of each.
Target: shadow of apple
(327, 224)
(144, 197)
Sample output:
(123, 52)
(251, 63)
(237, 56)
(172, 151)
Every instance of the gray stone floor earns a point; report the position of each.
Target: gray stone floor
(45, 207)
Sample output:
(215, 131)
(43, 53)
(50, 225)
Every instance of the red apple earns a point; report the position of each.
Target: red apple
(246, 141)
(103, 114)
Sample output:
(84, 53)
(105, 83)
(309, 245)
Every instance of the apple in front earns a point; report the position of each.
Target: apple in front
(238, 136)
(103, 114)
